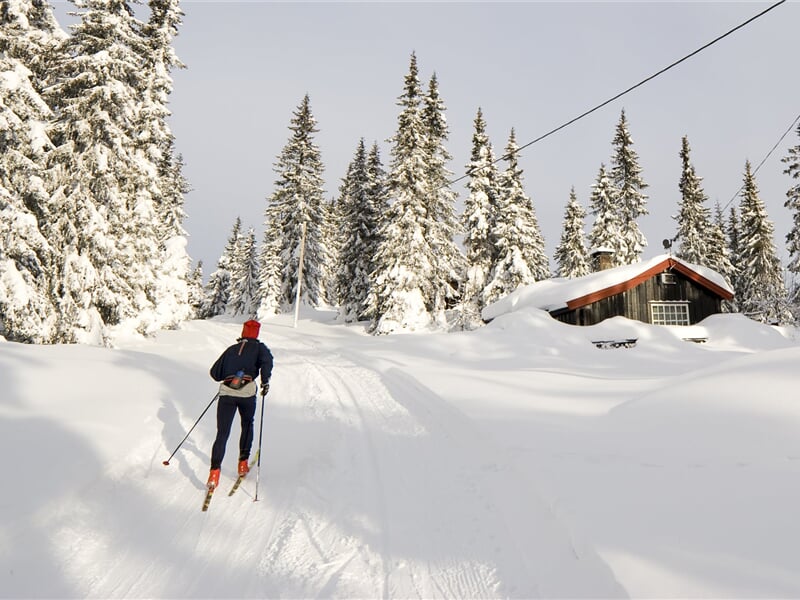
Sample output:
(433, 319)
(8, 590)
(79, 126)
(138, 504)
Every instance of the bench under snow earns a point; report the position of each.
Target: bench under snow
(629, 343)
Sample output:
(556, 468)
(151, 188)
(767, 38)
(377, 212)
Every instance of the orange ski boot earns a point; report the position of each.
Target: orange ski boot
(244, 468)
(213, 479)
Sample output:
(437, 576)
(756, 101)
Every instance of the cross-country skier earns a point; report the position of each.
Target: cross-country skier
(237, 369)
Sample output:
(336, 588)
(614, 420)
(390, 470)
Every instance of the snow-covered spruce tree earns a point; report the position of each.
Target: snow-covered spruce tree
(29, 36)
(358, 226)
(480, 213)
(606, 229)
(519, 244)
(26, 310)
(172, 271)
(244, 286)
(195, 285)
(331, 235)
(442, 221)
(734, 234)
(378, 193)
(626, 177)
(374, 215)
(364, 204)
(401, 283)
(99, 179)
(345, 276)
(156, 143)
(269, 275)
(32, 36)
(792, 159)
(218, 289)
(761, 279)
(718, 255)
(295, 212)
(571, 255)
(693, 215)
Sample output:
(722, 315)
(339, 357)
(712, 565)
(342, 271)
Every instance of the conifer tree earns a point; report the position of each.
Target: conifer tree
(244, 286)
(442, 222)
(606, 231)
(519, 244)
(761, 280)
(195, 285)
(793, 237)
(734, 235)
(172, 270)
(332, 242)
(693, 215)
(101, 194)
(269, 275)
(571, 254)
(216, 293)
(218, 289)
(401, 283)
(480, 214)
(626, 178)
(718, 255)
(359, 224)
(28, 39)
(377, 193)
(26, 310)
(530, 240)
(344, 206)
(32, 36)
(156, 144)
(295, 214)
(374, 216)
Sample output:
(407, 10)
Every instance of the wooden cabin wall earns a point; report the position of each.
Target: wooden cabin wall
(635, 303)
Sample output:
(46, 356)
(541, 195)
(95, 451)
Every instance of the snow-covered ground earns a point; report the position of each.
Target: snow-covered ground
(517, 461)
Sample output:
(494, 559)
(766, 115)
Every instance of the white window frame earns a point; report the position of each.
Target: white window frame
(669, 313)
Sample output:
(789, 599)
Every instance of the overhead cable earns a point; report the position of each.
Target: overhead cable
(633, 87)
(785, 133)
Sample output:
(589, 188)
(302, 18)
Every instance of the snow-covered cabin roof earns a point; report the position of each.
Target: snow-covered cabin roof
(559, 293)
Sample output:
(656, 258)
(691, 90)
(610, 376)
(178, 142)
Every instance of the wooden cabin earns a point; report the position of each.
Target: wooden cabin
(662, 291)
(669, 292)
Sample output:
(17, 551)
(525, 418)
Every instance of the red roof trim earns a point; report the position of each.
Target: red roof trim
(664, 265)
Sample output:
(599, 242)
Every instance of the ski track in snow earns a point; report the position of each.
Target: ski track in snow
(370, 486)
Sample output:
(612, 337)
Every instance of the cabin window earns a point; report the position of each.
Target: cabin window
(669, 313)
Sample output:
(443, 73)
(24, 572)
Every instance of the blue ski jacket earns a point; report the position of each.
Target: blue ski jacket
(247, 355)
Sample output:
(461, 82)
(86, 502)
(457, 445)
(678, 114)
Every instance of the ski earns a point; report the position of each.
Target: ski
(236, 485)
(207, 501)
(240, 478)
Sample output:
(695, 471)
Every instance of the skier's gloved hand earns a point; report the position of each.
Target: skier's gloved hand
(264, 388)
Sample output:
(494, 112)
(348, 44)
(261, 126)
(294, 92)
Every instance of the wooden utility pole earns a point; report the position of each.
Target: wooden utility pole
(300, 274)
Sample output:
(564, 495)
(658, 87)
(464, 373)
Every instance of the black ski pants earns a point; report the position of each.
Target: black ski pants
(226, 411)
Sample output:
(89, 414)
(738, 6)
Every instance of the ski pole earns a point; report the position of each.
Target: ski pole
(166, 462)
(260, 432)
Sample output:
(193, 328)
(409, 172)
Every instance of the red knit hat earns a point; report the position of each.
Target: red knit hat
(250, 329)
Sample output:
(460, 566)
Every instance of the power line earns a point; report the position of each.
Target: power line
(785, 133)
(633, 87)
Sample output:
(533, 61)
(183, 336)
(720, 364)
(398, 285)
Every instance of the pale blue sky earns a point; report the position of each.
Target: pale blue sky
(531, 66)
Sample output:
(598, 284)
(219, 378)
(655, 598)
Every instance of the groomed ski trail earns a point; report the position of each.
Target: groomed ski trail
(370, 486)
(401, 497)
